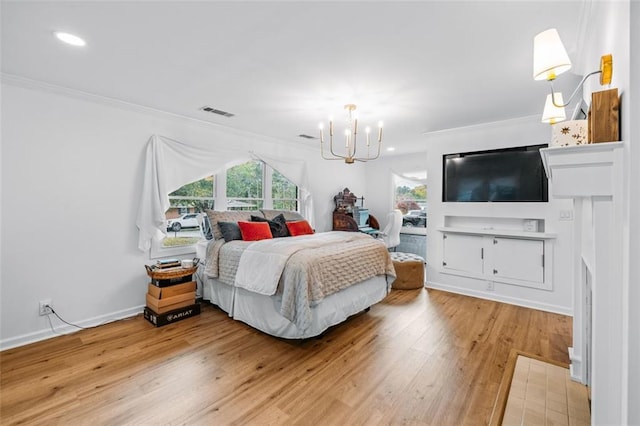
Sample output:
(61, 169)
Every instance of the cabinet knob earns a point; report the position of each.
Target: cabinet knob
(495, 271)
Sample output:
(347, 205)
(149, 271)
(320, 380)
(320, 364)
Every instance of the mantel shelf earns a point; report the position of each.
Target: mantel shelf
(499, 233)
(583, 170)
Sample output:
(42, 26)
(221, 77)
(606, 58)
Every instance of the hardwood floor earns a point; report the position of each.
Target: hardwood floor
(418, 357)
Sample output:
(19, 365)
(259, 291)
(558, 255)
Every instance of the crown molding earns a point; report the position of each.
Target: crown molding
(27, 83)
(486, 126)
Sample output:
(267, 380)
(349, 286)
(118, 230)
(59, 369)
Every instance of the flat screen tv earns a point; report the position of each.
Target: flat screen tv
(500, 175)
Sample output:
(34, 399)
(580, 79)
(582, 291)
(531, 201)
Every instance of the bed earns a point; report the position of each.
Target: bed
(292, 287)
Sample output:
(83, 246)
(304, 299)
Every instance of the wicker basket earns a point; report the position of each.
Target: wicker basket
(169, 273)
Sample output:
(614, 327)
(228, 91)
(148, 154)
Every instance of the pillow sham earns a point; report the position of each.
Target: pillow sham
(216, 216)
(289, 215)
(255, 231)
(300, 227)
(277, 225)
(230, 231)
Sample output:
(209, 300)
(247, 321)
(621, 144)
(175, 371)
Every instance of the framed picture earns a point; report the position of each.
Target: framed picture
(581, 110)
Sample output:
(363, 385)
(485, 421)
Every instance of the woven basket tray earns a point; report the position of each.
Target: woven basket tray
(168, 273)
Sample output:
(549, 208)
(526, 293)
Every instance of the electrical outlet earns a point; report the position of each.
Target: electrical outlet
(490, 286)
(566, 214)
(44, 307)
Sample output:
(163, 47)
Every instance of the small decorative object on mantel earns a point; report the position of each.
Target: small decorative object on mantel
(603, 116)
(568, 133)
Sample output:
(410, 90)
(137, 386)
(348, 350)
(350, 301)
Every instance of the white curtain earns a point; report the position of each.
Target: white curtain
(171, 164)
(296, 172)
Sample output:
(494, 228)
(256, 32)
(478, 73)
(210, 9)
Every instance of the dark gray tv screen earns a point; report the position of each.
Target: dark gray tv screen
(500, 175)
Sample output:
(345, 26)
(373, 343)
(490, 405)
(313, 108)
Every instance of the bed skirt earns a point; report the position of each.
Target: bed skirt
(262, 312)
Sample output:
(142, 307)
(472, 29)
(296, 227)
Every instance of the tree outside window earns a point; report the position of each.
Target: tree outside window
(283, 192)
(186, 202)
(245, 186)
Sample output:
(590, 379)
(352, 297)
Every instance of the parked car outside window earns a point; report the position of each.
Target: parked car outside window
(415, 218)
(189, 220)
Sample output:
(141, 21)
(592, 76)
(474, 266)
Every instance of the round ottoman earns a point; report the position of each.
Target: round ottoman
(409, 270)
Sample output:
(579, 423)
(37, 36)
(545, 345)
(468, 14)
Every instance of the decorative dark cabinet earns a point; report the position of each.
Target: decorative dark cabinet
(347, 202)
(344, 222)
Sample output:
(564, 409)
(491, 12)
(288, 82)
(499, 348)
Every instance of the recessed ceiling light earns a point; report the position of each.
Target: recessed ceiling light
(71, 39)
(391, 148)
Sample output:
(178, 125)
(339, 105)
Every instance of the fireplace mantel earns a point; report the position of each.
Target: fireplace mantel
(581, 170)
(592, 175)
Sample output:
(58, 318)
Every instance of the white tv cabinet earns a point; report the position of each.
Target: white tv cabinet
(505, 256)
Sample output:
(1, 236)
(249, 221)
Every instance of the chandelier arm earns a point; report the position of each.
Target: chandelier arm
(553, 99)
(378, 154)
(355, 145)
(327, 158)
(368, 158)
(331, 149)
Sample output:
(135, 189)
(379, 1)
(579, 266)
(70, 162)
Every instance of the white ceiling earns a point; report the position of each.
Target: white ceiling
(282, 67)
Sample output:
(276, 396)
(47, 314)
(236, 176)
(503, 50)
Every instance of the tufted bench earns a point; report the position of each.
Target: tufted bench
(409, 270)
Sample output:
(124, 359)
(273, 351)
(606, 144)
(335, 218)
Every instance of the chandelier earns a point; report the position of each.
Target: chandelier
(350, 144)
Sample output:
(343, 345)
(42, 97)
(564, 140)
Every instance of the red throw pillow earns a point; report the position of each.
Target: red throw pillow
(254, 231)
(300, 227)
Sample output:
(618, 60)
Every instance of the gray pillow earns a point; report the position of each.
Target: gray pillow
(288, 214)
(216, 216)
(230, 231)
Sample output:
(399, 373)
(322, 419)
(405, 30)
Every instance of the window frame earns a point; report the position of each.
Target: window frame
(408, 229)
(220, 199)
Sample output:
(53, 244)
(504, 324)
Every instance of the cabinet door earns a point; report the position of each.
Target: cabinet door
(462, 253)
(518, 259)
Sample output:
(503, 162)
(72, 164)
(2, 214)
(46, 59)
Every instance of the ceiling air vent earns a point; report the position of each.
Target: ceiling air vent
(217, 111)
(307, 136)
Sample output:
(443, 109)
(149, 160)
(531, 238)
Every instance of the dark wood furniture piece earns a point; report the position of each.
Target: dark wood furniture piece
(343, 213)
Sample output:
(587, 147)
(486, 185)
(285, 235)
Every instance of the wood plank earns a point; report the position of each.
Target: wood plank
(604, 119)
(420, 356)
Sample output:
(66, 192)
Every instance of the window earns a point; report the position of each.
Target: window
(182, 217)
(243, 187)
(284, 193)
(411, 198)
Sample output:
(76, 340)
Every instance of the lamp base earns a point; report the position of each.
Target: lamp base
(606, 69)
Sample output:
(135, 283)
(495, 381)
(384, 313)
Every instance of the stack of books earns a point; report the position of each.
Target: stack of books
(171, 295)
(166, 263)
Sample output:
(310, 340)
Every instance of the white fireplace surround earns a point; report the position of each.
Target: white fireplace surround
(592, 176)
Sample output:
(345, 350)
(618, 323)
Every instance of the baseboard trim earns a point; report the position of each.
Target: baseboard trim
(500, 298)
(38, 336)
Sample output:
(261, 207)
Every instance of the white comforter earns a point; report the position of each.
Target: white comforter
(263, 262)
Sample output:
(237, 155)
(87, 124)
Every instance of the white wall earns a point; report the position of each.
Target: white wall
(71, 180)
(633, 279)
(519, 132)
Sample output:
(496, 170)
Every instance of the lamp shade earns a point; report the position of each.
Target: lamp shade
(550, 58)
(553, 114)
